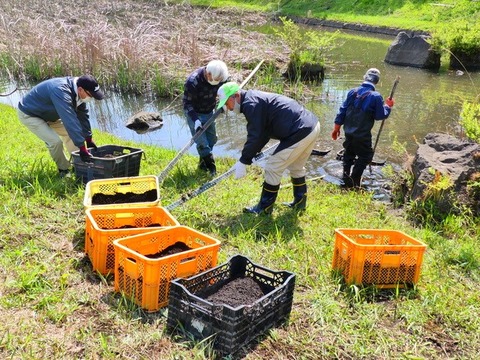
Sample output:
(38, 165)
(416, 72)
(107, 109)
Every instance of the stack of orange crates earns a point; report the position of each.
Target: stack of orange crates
(133, 241)
(105, 222)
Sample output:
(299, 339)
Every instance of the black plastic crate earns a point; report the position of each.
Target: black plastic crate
(190, 315)
(109, 161)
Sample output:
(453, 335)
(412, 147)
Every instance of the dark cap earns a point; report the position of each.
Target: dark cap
(88, 82)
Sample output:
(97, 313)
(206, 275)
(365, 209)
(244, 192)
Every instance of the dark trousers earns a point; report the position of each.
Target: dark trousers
(358, 153)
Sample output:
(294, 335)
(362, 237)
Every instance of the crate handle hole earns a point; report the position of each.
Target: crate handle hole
(187, 259)
(131, 260)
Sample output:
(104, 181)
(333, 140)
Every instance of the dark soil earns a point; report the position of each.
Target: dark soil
(120, 198)
(170, 250)
(132, 226)
(240, 291)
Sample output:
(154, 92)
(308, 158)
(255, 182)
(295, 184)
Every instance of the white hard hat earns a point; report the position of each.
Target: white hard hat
(218, 69)
(372, 75)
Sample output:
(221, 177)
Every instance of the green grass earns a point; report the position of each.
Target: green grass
(415, 15)
(52, 305)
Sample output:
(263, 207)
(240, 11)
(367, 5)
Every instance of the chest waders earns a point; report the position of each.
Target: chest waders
(358, 143)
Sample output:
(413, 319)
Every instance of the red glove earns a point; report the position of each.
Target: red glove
(389, 102)
(336, 131)
(90, 143)
(85, 155)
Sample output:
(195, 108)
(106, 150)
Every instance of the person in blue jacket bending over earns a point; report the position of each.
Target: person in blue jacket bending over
(273, 116)
(357, 114)
(56, 111)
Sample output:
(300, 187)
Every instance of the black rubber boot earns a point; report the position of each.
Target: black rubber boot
(346, 178)
(357, 181)
(202, 165)
(210, 164)
(299, 194)
(267, 200)
(357, 176)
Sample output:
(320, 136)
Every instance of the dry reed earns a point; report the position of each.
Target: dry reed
(133, 46)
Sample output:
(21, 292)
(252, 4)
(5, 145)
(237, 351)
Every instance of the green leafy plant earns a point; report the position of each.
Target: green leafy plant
(470, 120)
(435, 204)
(307, 47)
(461, 36)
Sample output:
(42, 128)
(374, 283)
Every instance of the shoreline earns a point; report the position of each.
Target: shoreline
(341, 25)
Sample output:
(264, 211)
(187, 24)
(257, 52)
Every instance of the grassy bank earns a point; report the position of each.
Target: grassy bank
(453, 25)
(52, 305)
(415, 15)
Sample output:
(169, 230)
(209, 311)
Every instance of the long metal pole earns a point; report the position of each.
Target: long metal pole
(395, 83)
(184, 198)
(172, 163)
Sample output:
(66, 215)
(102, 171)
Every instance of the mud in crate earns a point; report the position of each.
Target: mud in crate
(383, 258)
(108, 161)
(104, 225)
(206, 305)
(127, 191)
(146, 263)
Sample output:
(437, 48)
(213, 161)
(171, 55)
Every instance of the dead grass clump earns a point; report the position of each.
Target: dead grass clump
(128, 45)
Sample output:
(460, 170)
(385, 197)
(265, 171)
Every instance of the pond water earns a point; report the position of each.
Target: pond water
(424, 102)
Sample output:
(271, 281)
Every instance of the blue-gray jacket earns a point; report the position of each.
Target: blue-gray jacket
(273, 116)
(56, 99)
(360, 109)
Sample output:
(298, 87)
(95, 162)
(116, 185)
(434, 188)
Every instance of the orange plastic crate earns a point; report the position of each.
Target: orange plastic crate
(104, 225)
(146, 280)
(384, 258)
(123, 185)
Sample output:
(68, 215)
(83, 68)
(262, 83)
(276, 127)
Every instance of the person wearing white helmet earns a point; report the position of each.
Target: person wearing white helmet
(357, 114)
(199, 98)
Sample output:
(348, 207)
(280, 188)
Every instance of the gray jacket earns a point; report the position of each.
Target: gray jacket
(56, 99)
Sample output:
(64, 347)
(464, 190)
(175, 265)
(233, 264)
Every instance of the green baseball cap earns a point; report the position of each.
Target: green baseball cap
(225, 91)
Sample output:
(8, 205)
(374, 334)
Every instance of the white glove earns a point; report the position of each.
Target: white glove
(240, 170)
(198, 125)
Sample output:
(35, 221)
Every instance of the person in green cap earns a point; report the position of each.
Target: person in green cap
(273, 116)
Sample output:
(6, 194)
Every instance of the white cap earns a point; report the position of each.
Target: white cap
(372, 75)
(218, 69)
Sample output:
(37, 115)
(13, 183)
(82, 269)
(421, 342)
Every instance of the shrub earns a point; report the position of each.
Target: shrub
(470, 120)
(459, 37)
(307, 47)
